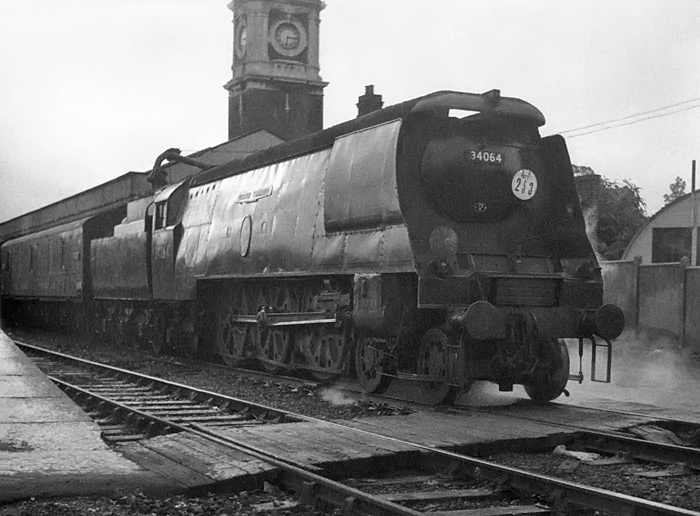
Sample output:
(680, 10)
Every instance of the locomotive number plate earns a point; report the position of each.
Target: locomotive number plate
(484, 156)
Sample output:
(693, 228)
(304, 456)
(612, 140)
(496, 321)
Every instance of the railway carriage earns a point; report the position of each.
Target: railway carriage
(45, 276)
(440, 240)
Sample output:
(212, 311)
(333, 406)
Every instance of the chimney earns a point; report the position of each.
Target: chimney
(369, 101)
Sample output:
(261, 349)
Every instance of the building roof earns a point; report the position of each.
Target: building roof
(127, 187)
(652, 221)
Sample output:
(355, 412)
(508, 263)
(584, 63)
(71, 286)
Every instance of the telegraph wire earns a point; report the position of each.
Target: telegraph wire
(634, 121)
(630, 116)
(612, 124)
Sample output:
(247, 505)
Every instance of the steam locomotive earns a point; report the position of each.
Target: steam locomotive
(439, 240)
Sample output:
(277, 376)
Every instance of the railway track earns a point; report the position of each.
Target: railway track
(620, 442)
(472, 487)
(130, 406)
(589, 440)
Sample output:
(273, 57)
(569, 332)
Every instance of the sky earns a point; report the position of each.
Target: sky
(92, 89)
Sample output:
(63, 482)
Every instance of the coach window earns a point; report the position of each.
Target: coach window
(161, 215)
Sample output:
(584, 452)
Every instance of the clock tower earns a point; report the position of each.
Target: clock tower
(276, 83)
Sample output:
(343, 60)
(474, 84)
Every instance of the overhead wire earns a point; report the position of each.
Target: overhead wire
(634, 119)
(630, 116)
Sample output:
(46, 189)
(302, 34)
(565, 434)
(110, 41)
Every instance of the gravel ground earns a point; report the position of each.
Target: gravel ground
(306, 398)
(273, 503)
(680, 489)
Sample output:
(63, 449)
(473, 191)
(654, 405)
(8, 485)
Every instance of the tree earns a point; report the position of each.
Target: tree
(677, 190)
(614, 212)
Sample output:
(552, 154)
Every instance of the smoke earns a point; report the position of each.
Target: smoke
(486, 394)
(645, 369)
(590, 218)
(336, 396)
(645, 362)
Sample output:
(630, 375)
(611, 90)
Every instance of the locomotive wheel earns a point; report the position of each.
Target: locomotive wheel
(551, 380)
(304, 298)
(280, 298)
(235, 342)
(432, 361)
(369, 367)
(230, 338)
(324, 350)
(273, 344)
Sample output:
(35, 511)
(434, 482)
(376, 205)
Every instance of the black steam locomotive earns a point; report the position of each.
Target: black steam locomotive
(440, 240)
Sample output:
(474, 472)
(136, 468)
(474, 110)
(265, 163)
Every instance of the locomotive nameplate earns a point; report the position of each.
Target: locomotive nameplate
(247, 197)
(485, 156)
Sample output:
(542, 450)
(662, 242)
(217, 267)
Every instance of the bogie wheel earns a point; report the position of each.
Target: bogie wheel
(551, 380)
(369, 367)
(432, 361)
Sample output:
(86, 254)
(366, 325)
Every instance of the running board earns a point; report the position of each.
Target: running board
(270, 319)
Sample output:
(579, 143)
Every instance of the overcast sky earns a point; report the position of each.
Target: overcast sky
(91, 89)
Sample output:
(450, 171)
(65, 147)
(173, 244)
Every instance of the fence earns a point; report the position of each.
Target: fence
(659, 298)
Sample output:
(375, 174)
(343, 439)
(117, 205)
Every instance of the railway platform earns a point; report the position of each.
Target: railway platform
(49, 446)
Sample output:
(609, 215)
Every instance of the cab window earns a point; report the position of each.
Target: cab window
(161, 215)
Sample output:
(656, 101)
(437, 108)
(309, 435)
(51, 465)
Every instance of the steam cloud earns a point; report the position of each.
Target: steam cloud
(645, 369)
(336, 397)
(486, 394)
(590, 217)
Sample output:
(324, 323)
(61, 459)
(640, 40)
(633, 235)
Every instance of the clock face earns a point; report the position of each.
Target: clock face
(242, 40)
(288, 36)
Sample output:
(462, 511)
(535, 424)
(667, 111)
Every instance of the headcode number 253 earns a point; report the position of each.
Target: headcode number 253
(486, 156)
(525, 187)
(524, 184)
